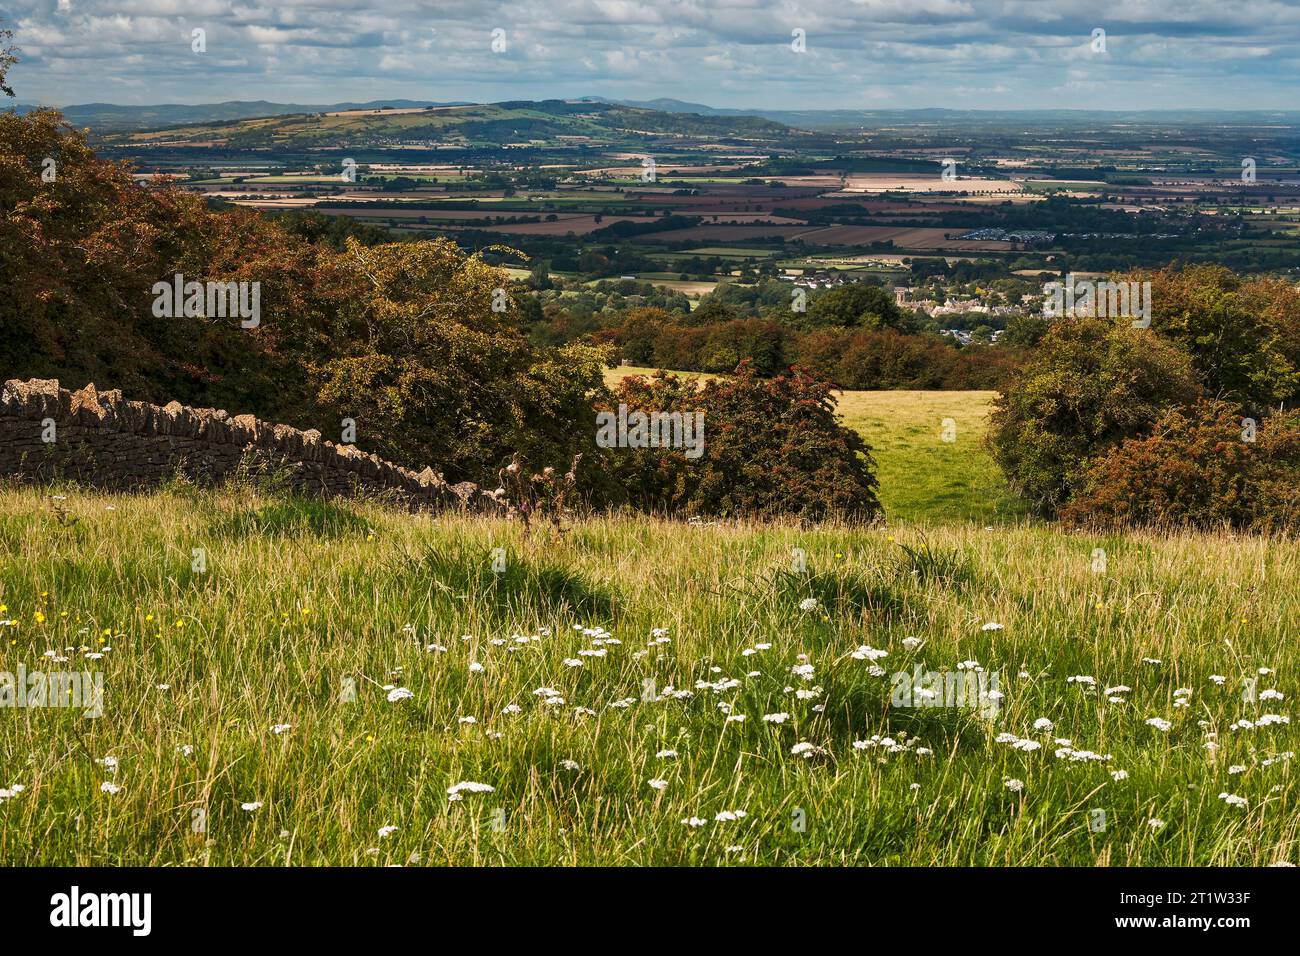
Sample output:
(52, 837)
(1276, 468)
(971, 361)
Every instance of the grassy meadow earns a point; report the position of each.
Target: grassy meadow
(637, 692)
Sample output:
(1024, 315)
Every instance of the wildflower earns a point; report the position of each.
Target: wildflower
(1082, 679)
(992, 626)
(1014, 785)
(570, 765)
(694, 821)
(386, 830)
(657, 783)
(1218, 679)
(778, 718)
(1043, 724)
(804, 671)
(1233, 800)
(398, 694)
(808, 604)
(1159, 724)
(475, 667)
(468, 786)
(866, 653)
(251, 806)
(1271, 694)
(1237, 768)
(911, 643)
(281, 728)
(1118, 775)
(1155, 823)
(727, 816)
(666, 754)
(806, 750)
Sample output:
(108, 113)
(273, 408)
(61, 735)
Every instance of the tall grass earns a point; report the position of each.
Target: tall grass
(300, 597)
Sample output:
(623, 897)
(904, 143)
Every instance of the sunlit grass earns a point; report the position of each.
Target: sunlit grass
(298, 598)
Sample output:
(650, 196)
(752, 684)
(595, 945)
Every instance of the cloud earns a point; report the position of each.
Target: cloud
(902, 53)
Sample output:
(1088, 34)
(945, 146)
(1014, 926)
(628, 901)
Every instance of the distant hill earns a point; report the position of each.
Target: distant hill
(106, 117)
(490, 124)
(845, 120)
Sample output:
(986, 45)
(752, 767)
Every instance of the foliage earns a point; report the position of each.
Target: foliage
(772, 447)
(1196, 469)
(1090, 384)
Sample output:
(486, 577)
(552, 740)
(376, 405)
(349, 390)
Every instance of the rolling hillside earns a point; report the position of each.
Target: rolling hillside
(473, 125)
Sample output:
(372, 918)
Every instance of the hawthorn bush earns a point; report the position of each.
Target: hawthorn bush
(1196, 469)
(1090, 384)
(773, 447)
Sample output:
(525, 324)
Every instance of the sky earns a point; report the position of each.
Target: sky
(856, 54)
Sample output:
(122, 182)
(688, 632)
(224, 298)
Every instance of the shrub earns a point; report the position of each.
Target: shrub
(772, 448)
(1090, 385)
(1243, 336)
(1196, 470)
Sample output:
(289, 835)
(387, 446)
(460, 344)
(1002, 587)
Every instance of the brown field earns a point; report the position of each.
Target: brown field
(722, 234)
(906, 237)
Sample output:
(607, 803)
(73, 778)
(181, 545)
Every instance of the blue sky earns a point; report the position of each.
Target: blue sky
(866, 54)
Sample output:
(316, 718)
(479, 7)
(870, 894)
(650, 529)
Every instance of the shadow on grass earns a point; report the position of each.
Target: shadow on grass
(840, 592)
(515, 588)
(290, 518)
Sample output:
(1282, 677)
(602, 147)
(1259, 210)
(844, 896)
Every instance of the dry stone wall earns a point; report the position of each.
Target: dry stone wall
(107, 442)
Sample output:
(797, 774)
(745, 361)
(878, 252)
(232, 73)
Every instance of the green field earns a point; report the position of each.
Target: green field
(270, 678)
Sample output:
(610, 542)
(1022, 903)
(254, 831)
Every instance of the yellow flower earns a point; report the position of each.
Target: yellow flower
(180, 625)
(148, 618)
(40, 618)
